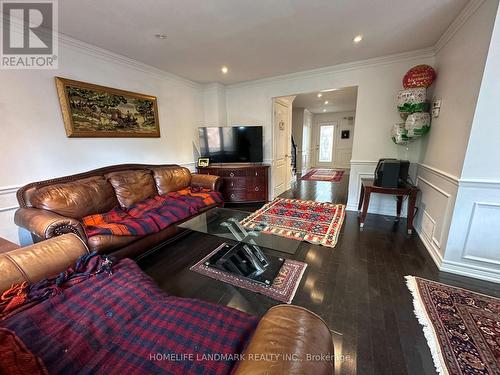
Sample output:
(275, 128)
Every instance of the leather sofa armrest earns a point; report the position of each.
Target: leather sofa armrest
(36, 262)
(289, 340)
(206, 181)
(47, 224)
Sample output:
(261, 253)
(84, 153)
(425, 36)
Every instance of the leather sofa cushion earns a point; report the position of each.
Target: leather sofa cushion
(132, 187)
(76, 199)
(106, 243)
(170, 179)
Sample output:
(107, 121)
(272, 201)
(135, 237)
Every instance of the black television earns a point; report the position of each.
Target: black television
(231, 144)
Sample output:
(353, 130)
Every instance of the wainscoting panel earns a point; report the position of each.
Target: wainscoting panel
(435, 209)
(343, 158)
(473, 247)
(8, 205)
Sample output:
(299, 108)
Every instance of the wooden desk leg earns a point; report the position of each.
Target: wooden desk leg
(361, 195)
(366, 202)
(412, 199)
(399, 204)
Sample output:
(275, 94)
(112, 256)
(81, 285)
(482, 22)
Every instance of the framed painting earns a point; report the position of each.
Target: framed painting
(97, 111)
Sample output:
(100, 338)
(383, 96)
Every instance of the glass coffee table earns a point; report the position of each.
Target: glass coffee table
(224, 223)
(246, 253)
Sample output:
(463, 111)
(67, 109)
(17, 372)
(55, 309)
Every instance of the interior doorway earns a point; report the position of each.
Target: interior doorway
(323, 128)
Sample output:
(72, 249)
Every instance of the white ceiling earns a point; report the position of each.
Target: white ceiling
(255, 38)
(340, 100)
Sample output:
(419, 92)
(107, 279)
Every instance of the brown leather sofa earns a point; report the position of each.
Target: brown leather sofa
(53, 207)
(288, 340)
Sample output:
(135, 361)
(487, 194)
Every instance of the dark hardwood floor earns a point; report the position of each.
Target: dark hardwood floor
(358, 287)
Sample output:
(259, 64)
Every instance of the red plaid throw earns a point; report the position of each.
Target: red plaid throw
(121, 323)
(151, 215)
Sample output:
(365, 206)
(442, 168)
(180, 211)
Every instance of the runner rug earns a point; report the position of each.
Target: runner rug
(282, 289)
(315, 222)
(331, 175)
(462, 327)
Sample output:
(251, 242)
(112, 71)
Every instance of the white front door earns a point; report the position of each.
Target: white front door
(325, 143)
(282, 146)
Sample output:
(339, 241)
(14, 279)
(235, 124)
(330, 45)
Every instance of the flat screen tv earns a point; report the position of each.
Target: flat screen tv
(231, 144)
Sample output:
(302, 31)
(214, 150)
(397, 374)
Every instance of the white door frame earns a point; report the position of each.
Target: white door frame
(282, 161)
(317, 163)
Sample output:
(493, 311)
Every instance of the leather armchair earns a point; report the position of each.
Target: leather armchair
(289, 340)
(206, 181)
(36, 262)
(46, 224)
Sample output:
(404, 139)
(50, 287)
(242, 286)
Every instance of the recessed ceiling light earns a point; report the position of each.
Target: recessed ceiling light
(320, 95)
(161, 36)
(358, 38)
(324, 110)
(326, 101)
(224, 69)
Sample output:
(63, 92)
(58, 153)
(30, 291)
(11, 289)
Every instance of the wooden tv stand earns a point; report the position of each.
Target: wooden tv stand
(241, 183)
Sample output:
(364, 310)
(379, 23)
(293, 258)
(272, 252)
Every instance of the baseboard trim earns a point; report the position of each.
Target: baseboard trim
(431, 248)
(472, 271)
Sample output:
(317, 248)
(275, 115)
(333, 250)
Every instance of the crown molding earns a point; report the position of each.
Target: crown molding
(104, 54)
(469, 9)
(368, 63)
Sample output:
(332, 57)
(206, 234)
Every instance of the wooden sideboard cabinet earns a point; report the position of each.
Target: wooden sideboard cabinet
(241, 183)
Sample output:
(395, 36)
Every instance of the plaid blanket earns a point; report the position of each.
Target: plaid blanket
(151, 215)
(119, 322)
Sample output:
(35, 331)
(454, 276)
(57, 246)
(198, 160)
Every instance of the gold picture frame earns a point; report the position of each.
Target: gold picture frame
(203, 162)
(91, 110)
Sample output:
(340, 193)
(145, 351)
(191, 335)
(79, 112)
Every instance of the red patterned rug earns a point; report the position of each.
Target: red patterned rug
(330, 175)
(462, 327)
(282, 289)
(315, 222)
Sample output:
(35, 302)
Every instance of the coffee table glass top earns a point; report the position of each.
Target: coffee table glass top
(224, 223)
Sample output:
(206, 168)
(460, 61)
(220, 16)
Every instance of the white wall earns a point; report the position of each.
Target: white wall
(474, 237)
(307, 144)
(378, 82)
(33, 140)
(343, 147)
(460, 60)
(301, 132)
(214, 105)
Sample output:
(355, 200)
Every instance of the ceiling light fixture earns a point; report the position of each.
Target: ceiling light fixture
(320, 95)
(358, 38)
(326, 102)
(161, 36)
(324, 110)
(224, 69)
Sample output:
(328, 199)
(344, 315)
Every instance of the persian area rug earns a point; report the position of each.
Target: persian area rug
(282, 289)
(462, 327)
(315, 222)
(330, 175)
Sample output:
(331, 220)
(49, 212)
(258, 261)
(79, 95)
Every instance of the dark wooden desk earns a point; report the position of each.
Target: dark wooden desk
(367, 188)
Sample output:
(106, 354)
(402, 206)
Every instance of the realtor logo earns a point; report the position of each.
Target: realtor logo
(29, 34)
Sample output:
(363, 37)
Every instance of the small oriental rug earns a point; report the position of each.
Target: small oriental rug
(282, 289)
(462, 327)
(330, 175)
(315, 222)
